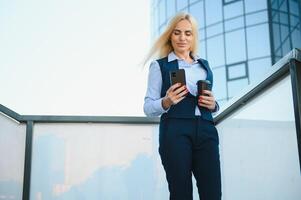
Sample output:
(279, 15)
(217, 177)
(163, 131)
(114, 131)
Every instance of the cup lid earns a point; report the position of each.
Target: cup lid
(204, 81)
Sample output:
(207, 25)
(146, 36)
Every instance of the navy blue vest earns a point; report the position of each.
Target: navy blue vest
(186, 107)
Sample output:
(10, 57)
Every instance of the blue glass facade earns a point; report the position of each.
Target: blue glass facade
(241, 39)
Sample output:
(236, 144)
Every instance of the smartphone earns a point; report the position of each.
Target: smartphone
(177, 76)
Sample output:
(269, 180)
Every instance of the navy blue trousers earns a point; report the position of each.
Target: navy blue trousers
(186, 147)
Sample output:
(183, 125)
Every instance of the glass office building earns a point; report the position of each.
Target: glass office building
(241, 39)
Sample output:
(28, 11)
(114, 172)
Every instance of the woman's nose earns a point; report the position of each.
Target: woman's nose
(182, 37)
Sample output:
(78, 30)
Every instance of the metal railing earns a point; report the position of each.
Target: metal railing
(289, 65)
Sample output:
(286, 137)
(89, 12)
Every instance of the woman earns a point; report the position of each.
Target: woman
(188, 140)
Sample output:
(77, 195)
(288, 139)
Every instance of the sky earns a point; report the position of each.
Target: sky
(73, 57)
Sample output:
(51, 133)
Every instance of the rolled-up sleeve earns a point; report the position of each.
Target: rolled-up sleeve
(153, 101)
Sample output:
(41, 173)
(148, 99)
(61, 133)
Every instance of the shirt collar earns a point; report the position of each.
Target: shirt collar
(172, 56)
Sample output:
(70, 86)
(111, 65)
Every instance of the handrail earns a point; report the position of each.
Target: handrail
(76, 119)
(10, 113)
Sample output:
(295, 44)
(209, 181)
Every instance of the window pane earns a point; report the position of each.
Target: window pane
(284, 33)
(296, 38)
(237, 71)
(283, 6)
(274, 4)
(234, 23)
(276, 33)
(202, 34)
(202, 49)
(171, 8)
(215, 50)
(294, 21)
(197, 10)
(181, 4)
(283, 18)
(277, 58)
(294, 7)
(162, 16)
(235, 46)
(233, 10)
(162, 28)
(216, 16)
(286, 47)
(192, 1)
(219, 87)
(258, 41)
(229, 1)
(278, 52)
(214, 30)
(258, 68)
(275, 16)
(235, 87)
(257, 18)
(254, 5)
(185, 10)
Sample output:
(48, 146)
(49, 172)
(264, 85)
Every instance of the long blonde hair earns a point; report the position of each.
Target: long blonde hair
(162, 47)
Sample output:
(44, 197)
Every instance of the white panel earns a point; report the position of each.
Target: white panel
(97, 161)
(259, 153)
(12, 151)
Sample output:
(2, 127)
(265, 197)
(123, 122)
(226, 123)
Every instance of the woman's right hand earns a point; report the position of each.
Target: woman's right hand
(174, 95)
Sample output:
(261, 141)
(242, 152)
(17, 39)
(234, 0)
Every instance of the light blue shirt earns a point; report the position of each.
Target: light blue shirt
(152, 101)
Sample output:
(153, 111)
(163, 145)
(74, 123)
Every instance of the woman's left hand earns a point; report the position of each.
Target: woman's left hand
(207, 101)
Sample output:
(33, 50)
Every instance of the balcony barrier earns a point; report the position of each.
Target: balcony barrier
(93, 157)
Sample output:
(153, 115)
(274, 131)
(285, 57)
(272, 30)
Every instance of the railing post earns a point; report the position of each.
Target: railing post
(295, 71)
(27, 163)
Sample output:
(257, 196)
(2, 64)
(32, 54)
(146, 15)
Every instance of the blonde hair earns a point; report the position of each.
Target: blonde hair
(163, 47)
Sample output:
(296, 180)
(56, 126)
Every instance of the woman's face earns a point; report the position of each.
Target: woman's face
(181, 37)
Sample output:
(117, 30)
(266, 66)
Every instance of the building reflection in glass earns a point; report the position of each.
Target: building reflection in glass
(241, 39)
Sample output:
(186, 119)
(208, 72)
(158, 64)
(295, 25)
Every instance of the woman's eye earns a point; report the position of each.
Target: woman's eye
(177, 33)
(188, 33)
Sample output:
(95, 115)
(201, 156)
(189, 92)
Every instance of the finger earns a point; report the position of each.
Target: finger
(181, 89)
(180, 99)
(203, 105)
(206, 102)
(182, 94)
(206, 98)
(170, 92)
(173, 87)
(177, 90)
(212, 101)
(208, 92)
